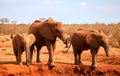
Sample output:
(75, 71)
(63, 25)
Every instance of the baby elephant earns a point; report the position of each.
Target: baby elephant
(21, 43)
(88, 39)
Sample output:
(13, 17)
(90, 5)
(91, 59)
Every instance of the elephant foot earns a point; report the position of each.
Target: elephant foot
(93, 66)
(81, 63)
(20, 63)
(38, 61)
(78, 63)
(28, 63)
(51, 64)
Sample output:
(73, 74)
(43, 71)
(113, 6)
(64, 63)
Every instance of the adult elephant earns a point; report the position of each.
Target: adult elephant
(21, 43)
(46, 33)
(88, 39)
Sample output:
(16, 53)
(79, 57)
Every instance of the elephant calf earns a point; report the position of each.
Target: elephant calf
(21, 43)
(88, 39)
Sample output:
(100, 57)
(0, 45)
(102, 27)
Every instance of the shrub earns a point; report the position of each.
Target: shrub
(111, 30)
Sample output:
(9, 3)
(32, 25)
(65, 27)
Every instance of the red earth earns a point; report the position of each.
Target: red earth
(106, 66)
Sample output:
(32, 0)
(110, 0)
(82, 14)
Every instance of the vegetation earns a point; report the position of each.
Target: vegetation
(112, 30)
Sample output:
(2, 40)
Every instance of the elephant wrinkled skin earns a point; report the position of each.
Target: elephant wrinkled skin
(21, 43)
(88, 39)
(46, 33)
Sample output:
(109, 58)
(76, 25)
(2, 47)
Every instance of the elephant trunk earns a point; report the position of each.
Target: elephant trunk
(66, 40)
(63, 37)
(27, 50)
(106, 48)
(28, 56)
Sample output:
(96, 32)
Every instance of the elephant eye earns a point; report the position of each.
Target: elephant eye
(56, 30)
(101, 43)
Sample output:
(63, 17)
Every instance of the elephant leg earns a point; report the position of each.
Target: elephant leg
(94, 52)
(66, 45)
(31, 53)
(79, 57)
(16, 54)
(20, 57)
(28, 62)
(75, 55)
(38, 54)
(53, 46)
(51, 53)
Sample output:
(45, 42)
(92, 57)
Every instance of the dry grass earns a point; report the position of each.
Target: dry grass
(13, 29)
(112, 30)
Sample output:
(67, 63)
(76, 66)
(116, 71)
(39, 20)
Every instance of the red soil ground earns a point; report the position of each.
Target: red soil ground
(107, 66)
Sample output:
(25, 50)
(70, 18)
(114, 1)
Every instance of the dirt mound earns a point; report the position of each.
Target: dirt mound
(61, 69)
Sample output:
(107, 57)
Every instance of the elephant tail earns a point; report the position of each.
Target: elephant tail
(69, 45)
(11, 36)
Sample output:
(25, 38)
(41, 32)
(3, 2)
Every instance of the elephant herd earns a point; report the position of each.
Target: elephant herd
(45, 34)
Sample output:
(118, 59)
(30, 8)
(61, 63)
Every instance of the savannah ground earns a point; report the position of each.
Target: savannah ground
(107, 66)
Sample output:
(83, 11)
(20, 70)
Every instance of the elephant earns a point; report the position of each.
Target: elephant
(46, 33)
(21, 43)
(67, 42)
(88, 39)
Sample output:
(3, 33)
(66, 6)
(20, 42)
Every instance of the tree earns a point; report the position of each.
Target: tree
(13, 22)
(4, 20)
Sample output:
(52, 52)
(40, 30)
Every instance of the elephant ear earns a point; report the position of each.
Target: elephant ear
(91, 40)
(46, 31)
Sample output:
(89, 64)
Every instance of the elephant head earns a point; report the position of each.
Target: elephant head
(67, 41)
(98, 38)
(51, 29)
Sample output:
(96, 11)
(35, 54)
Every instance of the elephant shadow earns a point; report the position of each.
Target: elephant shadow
(63, 63)
(82, 66)
(13, 62)
(10, 62)
(7, 62)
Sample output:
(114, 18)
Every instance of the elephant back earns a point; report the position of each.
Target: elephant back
(34, 27)
(50, 20)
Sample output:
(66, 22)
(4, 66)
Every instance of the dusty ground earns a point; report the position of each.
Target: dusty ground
(107, 66)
